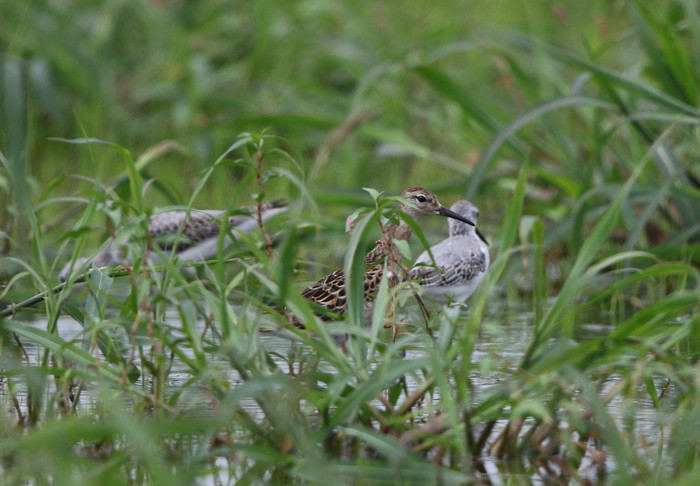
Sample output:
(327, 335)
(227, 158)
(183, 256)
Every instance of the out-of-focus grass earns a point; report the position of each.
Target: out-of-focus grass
(572, 126)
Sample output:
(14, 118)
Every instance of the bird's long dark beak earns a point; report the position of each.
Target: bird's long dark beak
(478, 233)
(443, 211)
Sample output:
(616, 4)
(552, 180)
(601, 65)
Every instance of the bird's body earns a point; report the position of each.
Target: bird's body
(330, 292)
(460, 260)
(191, 235)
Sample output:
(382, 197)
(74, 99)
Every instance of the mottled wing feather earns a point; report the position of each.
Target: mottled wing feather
(425, 274)
(201, 226)
(177, 229)
(451, 272)
(373, 278)
(328, 292)
(182, 230)
(465, 269)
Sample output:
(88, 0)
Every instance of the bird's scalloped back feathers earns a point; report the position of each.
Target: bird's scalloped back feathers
(183, 230)
(191, 234)
(328, 292)
(460, 270)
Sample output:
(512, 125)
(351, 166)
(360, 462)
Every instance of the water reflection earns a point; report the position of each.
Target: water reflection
(503, 338)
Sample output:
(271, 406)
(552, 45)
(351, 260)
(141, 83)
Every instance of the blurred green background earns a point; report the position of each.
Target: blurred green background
(453, 95)
(363, 93)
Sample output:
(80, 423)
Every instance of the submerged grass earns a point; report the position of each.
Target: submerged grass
(576, 361)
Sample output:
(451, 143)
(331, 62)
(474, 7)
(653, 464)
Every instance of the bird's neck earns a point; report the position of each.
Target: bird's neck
(383, 248)
(463, 230)
(399, 231)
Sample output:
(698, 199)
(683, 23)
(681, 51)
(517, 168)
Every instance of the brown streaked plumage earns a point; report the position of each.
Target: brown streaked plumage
(192, 235)
(329, 291)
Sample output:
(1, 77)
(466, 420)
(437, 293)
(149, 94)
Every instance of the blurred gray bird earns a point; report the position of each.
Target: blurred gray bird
(193, 235)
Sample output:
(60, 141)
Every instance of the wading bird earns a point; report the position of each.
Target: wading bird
(190, 235)
(330, 292)
(460, 260)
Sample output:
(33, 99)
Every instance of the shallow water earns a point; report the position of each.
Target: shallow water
(501, 344)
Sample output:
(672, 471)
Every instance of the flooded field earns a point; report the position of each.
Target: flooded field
(520, 439)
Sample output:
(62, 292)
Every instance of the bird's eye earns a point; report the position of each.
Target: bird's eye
(421, 198)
